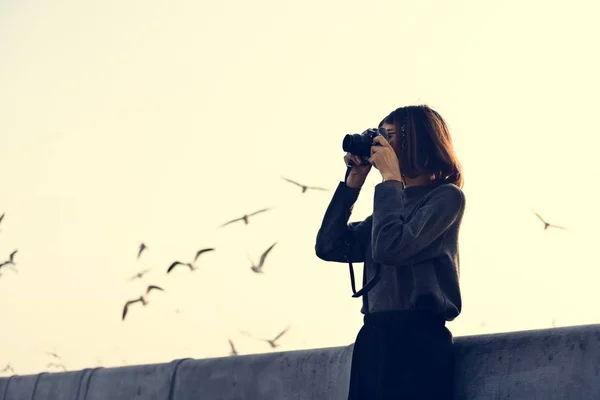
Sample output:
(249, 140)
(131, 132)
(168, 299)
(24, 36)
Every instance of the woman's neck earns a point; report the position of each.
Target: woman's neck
(418, 181)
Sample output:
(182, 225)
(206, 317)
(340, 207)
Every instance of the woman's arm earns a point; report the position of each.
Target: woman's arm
(394, 238)
(337, 240)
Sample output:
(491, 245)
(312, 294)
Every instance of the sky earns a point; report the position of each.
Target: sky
(154, 121)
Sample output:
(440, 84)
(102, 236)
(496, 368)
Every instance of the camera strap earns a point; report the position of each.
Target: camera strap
(369, 285)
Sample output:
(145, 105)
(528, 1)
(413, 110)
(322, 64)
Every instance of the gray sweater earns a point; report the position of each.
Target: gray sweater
(412, 234)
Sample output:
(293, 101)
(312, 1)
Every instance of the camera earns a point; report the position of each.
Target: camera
(360, 144)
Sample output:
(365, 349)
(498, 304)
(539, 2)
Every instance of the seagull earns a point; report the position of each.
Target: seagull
(11, 259)
(140, 274)
(57, 366)
(258, 268)
(245, 217)
(304, 187)
(143, 299)
(191, 265)
(176, 263)
(142, 248)
(8, 366)
(270, 341)
(233, 350)
(547, 224)
(54, 355)
(16, 271)
(202, 251)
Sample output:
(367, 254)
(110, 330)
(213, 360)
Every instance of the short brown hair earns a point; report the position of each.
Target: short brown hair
(425, 147)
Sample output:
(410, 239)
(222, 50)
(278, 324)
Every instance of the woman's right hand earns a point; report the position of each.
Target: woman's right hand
(358, 173)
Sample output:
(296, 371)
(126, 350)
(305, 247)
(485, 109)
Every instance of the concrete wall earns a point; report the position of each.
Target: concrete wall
(561, 363)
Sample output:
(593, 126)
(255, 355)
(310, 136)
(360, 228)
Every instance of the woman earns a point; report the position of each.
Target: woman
(410, 246)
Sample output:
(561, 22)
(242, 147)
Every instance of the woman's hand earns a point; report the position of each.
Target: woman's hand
(358, 173)
(383, 157)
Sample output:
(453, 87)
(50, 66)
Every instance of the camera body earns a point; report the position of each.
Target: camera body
(360, 144)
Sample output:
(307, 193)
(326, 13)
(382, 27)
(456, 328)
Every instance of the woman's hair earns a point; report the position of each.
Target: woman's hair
(424, 145)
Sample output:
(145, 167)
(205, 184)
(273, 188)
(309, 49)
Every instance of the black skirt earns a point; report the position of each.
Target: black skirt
(402, 355)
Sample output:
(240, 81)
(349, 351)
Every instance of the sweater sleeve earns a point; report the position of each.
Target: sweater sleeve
(396, 238)
(337, 240)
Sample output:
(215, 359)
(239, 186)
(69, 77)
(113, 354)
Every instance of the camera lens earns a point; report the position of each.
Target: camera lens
(359, 145)
(349, 143)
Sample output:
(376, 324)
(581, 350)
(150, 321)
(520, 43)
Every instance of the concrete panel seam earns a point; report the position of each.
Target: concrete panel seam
(87, 386)
(6, 387)
(83, 375)
(174, 376)
(35, 385)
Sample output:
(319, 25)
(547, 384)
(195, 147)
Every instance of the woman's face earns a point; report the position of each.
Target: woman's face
(391, 130)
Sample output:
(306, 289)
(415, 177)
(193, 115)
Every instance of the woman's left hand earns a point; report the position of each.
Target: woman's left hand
(383, 157)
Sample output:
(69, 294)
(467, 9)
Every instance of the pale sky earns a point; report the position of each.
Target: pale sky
(156, 121)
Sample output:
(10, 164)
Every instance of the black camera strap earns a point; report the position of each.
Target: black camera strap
(369, 285)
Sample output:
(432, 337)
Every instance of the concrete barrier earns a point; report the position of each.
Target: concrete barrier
(561, 363)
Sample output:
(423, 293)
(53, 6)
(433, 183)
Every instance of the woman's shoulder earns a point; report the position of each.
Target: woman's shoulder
(448, 191)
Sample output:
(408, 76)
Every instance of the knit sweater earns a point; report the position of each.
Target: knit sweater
(412, 235)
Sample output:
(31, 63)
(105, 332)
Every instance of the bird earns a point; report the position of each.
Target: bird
(2, 217)
(547, 224)
(258, 268)
(201, 251)
(245, 218)
(304, 187)
(270, 341)
(143, 299)
(11, 259)
(140, 274)
(10, 267)
(176, 263)
(56, 366)
(233, 350)
(8, 366)
(53, 354)
(191, 265)
(142, 248)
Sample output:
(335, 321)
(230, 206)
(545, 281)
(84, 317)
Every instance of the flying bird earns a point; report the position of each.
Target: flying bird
(56, 366)
(201, 251)
(10, 267)
(11, 259)
(142, 299)
(233, 350)
(142, 248)
(176, 263)
(8, 366)
(140, 274)
(245, 218)
(53, 354)
(258, 268)
(270, 341)
(547, 224)
(191, 265)
(2, 217)
(304, 187)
